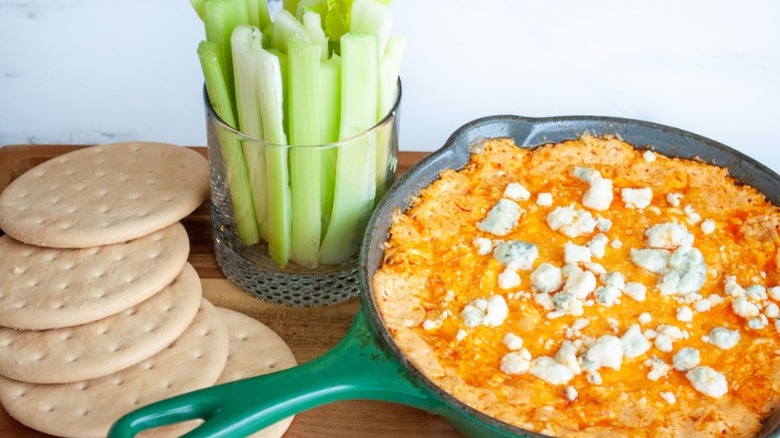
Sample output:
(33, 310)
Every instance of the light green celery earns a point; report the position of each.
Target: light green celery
(318, 6)
(336, 21)
(389, 70)
(197, 5)
(282, 57)
(287, 28)
(313, 26)
(330, 92)
(290, 6)
(220, 18)
(249, 119)
(270, 87)
(370, 16)
(356, 162)
(235, 167)
(268, 36)
(304, 113)
(258, 13)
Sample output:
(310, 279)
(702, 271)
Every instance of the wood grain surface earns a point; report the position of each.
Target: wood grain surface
(309, 332)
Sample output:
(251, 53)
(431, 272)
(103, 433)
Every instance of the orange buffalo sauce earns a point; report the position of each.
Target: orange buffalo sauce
(440, 261)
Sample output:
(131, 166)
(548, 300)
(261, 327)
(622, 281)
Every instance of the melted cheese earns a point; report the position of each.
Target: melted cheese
(626, 385)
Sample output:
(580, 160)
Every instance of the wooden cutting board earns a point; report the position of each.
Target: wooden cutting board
(309, 332)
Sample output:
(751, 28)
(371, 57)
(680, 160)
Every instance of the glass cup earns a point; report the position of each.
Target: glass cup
(288, 220)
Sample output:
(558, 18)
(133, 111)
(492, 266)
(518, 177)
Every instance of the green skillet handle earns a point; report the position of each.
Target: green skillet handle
(357, 368)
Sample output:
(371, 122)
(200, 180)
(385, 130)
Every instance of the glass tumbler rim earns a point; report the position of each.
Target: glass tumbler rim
(225, 126)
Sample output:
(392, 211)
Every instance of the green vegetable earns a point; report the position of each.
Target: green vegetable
(235, 166)
(322, 72)
(271, 74)
(330, 108)
(259, 16)
(245, 41)
(220, 18)
(356, 162)
(305, 167)
(389, 70)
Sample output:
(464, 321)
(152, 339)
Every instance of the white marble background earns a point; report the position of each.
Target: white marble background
(93, 71)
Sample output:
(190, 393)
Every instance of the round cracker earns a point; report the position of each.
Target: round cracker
(90, 407)
(104, 194)
(105, 346)
(255, 350)
(45, 288)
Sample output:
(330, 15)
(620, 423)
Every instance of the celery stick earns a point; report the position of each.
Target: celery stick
(197, 5)
(235, 167)
(313, 26)
(271, 91)
(304, 115)
(249, 120)
(356, 162)
(389, 70)
(287, 28)
(330, 92)
(370, 16)
(290, 6)
(220, 18)
(318, 6)
(245, 75)
(268, 35)
(282, 57)
(258, 13)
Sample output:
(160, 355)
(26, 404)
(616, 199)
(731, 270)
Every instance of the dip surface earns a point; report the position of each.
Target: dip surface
(589, 288)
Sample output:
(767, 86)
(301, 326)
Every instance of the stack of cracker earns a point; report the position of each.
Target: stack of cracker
(100, 313)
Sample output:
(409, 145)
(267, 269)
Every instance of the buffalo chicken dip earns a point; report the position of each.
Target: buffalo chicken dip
(589, 288)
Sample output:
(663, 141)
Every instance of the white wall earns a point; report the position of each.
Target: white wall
(85, 71)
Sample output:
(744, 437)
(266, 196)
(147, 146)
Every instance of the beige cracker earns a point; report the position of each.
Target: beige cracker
(44, 288)
(104, 194)
(254, 350)
(89, 408)
(105, 346)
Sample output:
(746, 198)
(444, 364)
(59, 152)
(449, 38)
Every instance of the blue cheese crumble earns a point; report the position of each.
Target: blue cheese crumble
(502, 218)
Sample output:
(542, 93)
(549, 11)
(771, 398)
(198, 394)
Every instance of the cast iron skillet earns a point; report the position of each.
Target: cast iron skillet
(367, 364)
